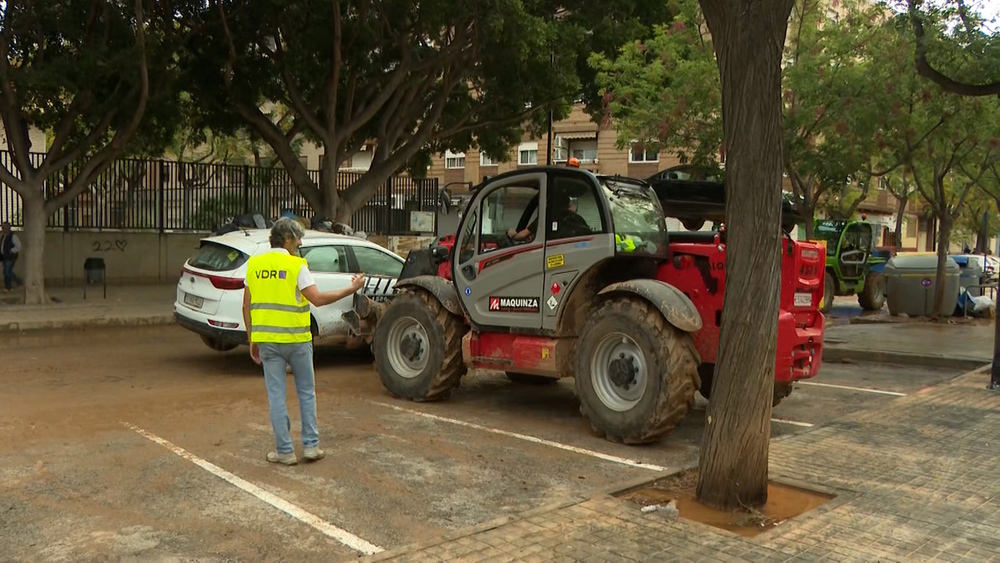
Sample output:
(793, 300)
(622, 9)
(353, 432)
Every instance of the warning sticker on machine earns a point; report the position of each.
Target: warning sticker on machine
(514, 304)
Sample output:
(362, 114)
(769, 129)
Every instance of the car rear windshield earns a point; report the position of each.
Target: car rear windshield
(216, 257)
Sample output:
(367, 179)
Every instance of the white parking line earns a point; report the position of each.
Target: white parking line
(849, 388)
(574, 449)
(328, 529)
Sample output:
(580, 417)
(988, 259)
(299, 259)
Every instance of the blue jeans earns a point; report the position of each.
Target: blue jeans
(8, 273)
(274, 358)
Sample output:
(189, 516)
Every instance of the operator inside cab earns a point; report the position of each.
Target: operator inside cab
(562, 211)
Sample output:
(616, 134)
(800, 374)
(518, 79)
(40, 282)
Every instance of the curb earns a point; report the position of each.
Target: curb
(843, 354)
(32, 326)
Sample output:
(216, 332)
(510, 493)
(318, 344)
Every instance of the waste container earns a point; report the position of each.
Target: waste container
(910, 285)
(971, 276)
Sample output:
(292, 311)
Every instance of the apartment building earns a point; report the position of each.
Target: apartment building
(595, 145)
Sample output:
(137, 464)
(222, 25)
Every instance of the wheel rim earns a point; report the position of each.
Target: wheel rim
(618, 372)
(408, 352)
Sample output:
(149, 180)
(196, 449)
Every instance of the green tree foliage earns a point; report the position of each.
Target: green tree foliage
(949, 142)
(666, 90)
(99, 76)
(954, 46)
(413, 78)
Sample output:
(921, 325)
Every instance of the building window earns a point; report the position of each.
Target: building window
(527, 154)
(486, 160)
(584, 150)
(454, 160)
(640, 154)
(910, 227)
(560, 149)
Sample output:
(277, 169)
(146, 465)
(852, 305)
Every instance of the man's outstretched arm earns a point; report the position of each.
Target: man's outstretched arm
(321, 298)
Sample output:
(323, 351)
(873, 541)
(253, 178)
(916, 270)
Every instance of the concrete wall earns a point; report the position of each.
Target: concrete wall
(129, 257)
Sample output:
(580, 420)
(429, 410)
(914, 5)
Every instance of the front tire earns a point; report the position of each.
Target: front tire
(636, 374)
(872, 297)
(829, 292)
(418, 348)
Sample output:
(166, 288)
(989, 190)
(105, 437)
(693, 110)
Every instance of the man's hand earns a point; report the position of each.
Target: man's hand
(511, 232)
(357, 281)
(255, 352)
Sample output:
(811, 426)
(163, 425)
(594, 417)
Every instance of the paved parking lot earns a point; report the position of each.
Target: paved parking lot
(143, 442)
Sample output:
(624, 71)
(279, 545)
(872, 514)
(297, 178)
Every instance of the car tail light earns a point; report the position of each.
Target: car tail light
(219, 282)
(226, 283)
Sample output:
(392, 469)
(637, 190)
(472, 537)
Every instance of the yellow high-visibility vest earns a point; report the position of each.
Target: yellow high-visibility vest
(278, 313)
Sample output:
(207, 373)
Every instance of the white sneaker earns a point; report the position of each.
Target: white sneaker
(285, 459)
(314, 454)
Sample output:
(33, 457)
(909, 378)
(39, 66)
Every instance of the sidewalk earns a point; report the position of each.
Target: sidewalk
(960, 346)
(913, 482)
(125, 306)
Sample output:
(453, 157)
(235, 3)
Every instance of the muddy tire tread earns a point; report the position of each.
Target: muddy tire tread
(454, 329)
(677, 352)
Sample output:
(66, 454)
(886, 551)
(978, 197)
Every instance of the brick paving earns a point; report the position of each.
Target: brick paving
(916, 481)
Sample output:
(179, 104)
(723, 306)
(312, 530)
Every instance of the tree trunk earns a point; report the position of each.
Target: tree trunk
(733, 465)
(900, 216)
(809, 219)
(944, 242)
(33, 247)
(333, 207)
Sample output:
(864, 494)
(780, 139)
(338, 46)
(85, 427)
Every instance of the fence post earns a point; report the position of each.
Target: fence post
(246, 189)
(388, 207)
(161, 198)
(65, 210)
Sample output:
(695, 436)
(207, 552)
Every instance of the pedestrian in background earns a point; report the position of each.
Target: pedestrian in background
(279, 288)
(10, 247)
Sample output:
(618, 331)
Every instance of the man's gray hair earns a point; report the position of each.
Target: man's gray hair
(285, 228)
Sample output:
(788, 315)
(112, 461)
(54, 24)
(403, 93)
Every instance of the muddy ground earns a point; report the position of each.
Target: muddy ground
(79, 481)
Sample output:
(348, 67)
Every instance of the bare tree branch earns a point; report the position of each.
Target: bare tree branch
(925, 69)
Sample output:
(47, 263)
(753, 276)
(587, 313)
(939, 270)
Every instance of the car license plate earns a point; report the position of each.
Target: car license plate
(194, 300)
(803, 299)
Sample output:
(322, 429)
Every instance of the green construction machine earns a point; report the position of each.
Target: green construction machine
(853, 265)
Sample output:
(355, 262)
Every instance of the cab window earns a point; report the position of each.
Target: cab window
(511, 208)
(468, 249)
(573, 210)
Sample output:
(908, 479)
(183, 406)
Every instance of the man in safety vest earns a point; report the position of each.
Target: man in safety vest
(279, 289)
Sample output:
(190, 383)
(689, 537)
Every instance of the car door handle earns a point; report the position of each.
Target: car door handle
(469, 272)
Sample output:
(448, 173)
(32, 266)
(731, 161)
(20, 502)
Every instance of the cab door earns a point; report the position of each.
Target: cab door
(499, 280)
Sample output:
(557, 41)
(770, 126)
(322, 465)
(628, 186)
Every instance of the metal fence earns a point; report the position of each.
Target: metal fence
(163, 196)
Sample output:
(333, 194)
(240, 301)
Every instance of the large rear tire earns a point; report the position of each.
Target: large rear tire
(707, 373)
(829, 292)
(636, 374)
(418, 348)
(872, 297)
(528, 379)
(781, 390)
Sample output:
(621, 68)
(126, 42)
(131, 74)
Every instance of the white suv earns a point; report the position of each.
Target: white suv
(210, 291)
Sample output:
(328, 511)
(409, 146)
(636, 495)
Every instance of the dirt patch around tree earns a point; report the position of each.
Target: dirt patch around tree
(677, 491)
